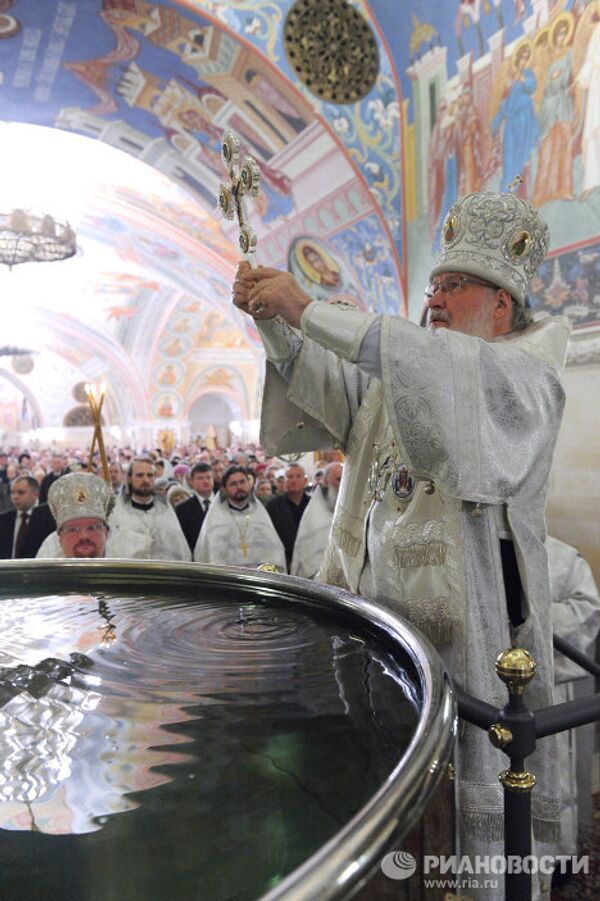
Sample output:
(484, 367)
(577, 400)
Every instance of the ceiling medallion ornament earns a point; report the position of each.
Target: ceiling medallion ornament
(332, 49)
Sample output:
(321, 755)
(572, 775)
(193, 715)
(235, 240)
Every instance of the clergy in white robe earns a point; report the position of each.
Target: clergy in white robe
(80, 503)
(448, 434)
(313, 531)
(576, 619)
(143, 525)
(237, 530)
(152, 533)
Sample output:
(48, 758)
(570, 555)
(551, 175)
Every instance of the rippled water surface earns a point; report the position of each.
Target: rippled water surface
(156, 749)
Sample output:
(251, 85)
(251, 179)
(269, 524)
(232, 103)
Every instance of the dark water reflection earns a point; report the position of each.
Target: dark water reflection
(175, 750)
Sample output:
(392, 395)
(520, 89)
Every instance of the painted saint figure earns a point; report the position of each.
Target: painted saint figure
(521, 130)
(469, 153)
(319, 271)
(449, 140)
(554, 179)
(589, 79)
(435, 170)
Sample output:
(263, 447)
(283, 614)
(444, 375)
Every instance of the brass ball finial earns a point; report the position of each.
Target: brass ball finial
(500, 736)
(516, 667)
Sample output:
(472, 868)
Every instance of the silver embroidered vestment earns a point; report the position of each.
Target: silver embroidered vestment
(474, 425)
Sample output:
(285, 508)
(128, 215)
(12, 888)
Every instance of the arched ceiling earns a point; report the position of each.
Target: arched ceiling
(145, 302)
(112, 114)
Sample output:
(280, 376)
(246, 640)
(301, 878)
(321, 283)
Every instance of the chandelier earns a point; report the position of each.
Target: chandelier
(27, 238)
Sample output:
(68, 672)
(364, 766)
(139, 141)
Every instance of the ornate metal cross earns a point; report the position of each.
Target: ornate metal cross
(242, 182)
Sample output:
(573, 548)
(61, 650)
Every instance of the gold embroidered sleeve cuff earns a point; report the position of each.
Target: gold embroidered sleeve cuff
(338, 327)
(280, 341)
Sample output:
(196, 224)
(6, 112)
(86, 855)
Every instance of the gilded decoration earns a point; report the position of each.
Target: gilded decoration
(332, 49)
(422, 33)
(218, 377)
(420, 544)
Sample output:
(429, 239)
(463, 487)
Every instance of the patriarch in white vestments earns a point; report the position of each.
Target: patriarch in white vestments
(448, 433)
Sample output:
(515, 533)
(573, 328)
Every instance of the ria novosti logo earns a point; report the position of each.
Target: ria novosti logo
(398, 865)
(402, 865)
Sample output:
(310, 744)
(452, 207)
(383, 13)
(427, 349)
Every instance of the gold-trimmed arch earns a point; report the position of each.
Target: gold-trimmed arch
(215, 379)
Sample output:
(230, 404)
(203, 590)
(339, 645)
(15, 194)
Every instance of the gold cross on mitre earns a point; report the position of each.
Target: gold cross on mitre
(242, 182)
(515, 184)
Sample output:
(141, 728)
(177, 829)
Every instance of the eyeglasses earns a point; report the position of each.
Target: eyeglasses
(453, 284)
(75, 530)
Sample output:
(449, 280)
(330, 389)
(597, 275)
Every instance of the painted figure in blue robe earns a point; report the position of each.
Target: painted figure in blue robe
(521, 130)
(448, 146)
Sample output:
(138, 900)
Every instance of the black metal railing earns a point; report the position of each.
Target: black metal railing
(514, 729)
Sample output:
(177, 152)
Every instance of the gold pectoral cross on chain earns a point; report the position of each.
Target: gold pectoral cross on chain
(242, 532)
(242, 183)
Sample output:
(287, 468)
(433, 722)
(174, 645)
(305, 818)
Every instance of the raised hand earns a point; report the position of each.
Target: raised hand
(276, 293)
(243, 284)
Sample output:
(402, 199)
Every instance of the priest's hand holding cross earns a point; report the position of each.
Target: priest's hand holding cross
(264, 293)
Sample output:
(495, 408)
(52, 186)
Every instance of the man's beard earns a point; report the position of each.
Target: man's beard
(436, 316)
(145, 491)
(478, 324)
(330, 493)
(240, 497)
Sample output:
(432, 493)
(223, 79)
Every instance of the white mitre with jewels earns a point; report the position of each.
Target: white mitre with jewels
(79, 495)
(498, 237)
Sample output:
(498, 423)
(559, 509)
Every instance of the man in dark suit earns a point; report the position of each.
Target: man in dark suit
(191, 513)
(3, 466)
(23, 529)
(5, 503)
(286, 509)
(57, 469)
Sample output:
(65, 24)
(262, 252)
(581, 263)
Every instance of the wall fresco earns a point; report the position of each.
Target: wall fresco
(470, 94)
(569, 284)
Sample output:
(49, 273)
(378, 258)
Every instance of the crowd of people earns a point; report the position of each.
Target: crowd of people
(230, 506)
